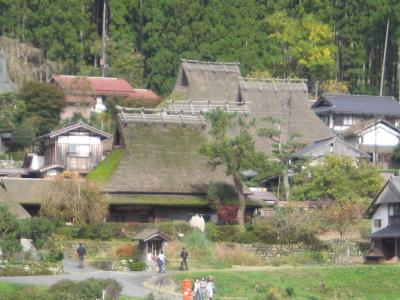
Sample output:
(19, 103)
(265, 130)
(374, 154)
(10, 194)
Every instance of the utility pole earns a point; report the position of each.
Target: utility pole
(104, 38)
(384, 59)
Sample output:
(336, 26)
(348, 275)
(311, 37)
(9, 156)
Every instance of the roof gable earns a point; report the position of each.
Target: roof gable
(150, 234)
(76, 127)
(390, 193)
(323, 147)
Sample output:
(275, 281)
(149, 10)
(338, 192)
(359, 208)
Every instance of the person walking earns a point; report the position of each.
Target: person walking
(196, 289)
(81, 251)
(161, 262)
(184, 255)
(203, 289)
(210, 288)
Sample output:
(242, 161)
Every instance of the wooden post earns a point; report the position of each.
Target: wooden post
(384, 59)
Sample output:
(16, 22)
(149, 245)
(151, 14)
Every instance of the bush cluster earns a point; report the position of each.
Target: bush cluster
(173, 228)
(137, 266)
(95, 231)
(284, 227)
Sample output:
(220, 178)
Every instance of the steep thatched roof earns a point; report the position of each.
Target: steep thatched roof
(25, 190)
(164, 159)
(22, 191)
(208, 80)
(285, 101)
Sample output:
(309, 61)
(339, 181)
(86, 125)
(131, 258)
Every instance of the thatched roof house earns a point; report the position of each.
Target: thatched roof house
(163, 159)
(285, 101)
(200, 80)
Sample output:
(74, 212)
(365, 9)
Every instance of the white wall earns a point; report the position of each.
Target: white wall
(385, 136)
(81, 140)
(383, 214)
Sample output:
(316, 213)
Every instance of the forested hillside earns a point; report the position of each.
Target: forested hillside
(317, 39)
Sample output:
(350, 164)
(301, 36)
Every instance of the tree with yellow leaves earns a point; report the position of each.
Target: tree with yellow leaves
(72, 199)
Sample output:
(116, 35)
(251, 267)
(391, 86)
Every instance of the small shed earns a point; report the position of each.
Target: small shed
(151, 242)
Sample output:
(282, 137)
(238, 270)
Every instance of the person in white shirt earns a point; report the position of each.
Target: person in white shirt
(161, 262)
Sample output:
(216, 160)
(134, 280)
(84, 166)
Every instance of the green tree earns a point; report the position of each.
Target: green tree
(236, 153)
(9, 241)
(11, 111)
(44, 104)
(337, 178)
(23, 135)
(285, 145)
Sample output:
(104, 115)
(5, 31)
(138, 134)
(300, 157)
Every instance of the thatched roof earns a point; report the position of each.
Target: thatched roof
(22, 191)
(285, 101)
(6, 85)
(208, 80)
(163, 159)
(25, 190)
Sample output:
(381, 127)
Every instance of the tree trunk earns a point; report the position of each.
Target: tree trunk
(286, 186)
(241, 197)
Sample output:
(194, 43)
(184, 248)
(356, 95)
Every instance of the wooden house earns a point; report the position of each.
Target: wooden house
(339, 112)
(317, 150)
(377, 137)
(78, 147)
(384, 212)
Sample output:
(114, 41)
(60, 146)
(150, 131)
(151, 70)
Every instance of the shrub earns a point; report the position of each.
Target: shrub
(197, 244)
(97, 231)
(274, 293)
(85, 290)
(137, 266)
(289, 291)
(37, 229)
(174, 227)
(213, 232)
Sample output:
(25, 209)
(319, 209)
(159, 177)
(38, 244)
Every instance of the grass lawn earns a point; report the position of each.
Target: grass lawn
(314, 282)
(106, 168)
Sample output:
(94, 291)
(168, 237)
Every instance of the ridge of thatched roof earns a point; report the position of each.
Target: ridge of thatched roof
(163, 159)
(208, 80)
(285, 101)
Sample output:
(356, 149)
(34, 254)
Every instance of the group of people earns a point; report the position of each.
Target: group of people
(203, 289)
(162, 259)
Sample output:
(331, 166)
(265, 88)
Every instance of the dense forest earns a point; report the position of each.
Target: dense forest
(321, 40)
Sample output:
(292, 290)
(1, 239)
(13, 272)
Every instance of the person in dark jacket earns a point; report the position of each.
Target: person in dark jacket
(81, 251)
(184, 255)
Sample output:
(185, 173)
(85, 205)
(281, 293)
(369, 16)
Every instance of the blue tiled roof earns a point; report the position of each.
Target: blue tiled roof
(358, 104)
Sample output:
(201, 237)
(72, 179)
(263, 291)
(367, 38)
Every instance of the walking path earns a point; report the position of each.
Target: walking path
(132, 282)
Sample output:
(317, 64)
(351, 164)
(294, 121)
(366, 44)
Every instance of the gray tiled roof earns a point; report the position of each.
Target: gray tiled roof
(387, 232)
(6, 85)
(358, 104)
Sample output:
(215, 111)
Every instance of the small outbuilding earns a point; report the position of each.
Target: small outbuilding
(151, 242)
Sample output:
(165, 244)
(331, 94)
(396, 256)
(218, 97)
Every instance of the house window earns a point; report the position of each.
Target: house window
(378, 223)
(348, 120)
(394, 214)
(79, 150)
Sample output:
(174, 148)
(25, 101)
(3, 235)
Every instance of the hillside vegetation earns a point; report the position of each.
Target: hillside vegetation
(319, 40)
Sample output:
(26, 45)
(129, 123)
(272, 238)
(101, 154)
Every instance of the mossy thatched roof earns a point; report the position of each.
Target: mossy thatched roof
(287, 102)
(208, 80)
(163, 158)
